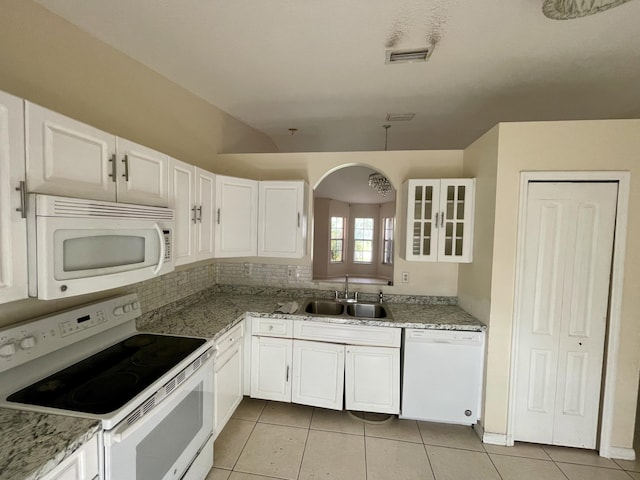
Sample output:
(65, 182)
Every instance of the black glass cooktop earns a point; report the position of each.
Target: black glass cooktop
(107, 380)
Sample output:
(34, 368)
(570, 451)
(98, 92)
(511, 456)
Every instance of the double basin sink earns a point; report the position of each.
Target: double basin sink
(336, 308)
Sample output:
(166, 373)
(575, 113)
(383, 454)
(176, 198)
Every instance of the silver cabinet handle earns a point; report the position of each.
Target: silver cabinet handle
(113, 167)
(22, 188)
(218, 221)
(287, 373)
(200, 213)
(442, 219)
(193, 214)
(125, 160)
(437, 220)
(298, 219)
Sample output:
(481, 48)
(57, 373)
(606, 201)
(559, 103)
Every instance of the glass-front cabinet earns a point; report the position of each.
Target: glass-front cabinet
(440, 220)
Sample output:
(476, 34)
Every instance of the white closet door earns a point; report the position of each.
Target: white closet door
(567, 264)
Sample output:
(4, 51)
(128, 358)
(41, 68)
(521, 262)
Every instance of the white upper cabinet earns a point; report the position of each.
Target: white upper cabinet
(192, 196)
(13, 225)
(282, 219)
(70, 158)
(439, 220)
(236, 217)
(67, 157)
(142, 174)
(205, 214)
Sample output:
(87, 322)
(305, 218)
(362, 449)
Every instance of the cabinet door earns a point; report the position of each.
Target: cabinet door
(205, 214)
(236, 217)
(271, 368)
(142, 174)
(318, 378)
(227, 384)
(13, 240)
(455, 232)
(81, 465)
(423, 215)
(372, 379)
(282, 219)
(69, 158)
(182, 197)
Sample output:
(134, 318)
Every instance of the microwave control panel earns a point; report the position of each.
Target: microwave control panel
(167, 244)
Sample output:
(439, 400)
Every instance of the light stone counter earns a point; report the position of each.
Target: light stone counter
(32, 444)
(210, 315)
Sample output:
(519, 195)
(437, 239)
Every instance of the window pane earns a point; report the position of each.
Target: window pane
(336, 244)
(363, 240)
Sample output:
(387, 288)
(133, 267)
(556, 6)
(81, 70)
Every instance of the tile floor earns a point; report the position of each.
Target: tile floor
(272, 440)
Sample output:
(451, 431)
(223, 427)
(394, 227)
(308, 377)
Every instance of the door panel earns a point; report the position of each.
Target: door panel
(319, 374)
(567, 262)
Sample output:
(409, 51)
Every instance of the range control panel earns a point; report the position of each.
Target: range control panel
(34, 338)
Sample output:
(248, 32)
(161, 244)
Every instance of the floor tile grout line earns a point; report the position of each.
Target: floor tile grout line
(426, 451)
(233, 469)
(306, 442)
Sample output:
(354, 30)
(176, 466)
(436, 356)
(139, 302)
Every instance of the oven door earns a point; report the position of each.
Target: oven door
(162, 444)
(77, 256)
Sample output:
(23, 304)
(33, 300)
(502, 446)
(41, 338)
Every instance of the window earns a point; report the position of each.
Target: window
(337, 239)
(363, 240)
(387, 236)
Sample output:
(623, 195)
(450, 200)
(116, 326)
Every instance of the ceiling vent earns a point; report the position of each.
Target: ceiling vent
(400, 117)
(408, 56)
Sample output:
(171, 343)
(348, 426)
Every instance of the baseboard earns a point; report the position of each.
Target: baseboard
(622, 453)
(478, 428)
(494, 438)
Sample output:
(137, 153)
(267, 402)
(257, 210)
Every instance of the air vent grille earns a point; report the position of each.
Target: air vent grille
(408, 56)
(400, 117)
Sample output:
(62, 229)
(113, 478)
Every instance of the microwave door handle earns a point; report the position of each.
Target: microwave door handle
(162, 249)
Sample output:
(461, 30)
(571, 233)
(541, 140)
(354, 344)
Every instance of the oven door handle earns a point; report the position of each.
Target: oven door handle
(162, 249)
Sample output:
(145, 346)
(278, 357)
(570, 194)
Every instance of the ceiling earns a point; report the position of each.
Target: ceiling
(319, 65)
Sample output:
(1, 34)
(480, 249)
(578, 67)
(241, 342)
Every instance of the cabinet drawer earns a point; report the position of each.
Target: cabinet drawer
(348, 334)
(272, 327)
(229, 339)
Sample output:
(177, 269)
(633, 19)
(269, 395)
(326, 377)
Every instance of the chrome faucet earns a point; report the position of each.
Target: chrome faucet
(346, 287)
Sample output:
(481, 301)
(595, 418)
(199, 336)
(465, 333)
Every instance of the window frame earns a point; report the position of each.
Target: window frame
(370, 241)
(336, 239)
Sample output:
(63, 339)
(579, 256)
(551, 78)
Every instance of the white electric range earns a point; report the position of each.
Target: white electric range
(153, 394)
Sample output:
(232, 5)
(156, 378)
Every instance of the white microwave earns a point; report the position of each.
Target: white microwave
(78, 246)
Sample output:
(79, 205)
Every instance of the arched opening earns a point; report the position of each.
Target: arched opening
(354, 226)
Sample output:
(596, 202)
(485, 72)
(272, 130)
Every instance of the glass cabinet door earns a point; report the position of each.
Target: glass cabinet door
(440, 220)
(423, 206)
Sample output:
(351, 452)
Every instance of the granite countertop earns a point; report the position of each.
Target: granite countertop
(211, 316)
(32, 444)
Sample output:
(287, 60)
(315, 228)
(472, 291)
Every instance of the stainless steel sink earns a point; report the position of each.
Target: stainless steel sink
(366, 310)
(324, 307)
(337, 308)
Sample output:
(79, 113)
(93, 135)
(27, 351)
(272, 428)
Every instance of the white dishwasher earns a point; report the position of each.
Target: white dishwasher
(442, 377)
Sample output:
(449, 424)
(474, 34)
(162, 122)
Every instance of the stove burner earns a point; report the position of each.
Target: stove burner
(107, 380)
(99, 390)
(138, 341)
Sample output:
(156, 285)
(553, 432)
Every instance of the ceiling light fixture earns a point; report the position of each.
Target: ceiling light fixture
(568, 9)
(377, 181)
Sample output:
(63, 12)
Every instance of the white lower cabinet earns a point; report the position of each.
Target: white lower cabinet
(372, 379)
(318, 374)
(228, 376)
(320, 364)
(271, 368)
(80, 465)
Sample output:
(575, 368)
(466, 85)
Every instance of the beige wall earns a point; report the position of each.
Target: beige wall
(549, 146)
(426, 278)
(48, 61)
(474, 279)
